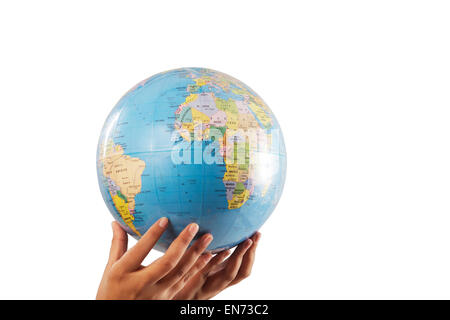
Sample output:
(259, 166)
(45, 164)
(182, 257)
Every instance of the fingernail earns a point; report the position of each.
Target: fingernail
(249, 243)
(207, 239)
(163, 222)
(193, 228)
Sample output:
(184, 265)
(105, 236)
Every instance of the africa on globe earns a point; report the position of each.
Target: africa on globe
(192, 145)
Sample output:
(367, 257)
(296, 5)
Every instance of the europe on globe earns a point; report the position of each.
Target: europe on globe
(192, 145)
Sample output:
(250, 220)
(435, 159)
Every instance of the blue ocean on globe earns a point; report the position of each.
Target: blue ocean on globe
(192, 145)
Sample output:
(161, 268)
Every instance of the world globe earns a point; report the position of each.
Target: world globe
(192, 145)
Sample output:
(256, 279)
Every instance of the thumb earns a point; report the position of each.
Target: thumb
(119, 243)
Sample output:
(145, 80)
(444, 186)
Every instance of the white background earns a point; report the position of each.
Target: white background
(361, 89)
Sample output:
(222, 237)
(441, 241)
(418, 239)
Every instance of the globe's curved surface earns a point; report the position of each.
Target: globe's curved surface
(192, 145)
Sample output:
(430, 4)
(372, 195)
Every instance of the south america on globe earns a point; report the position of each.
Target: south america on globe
(192, 145)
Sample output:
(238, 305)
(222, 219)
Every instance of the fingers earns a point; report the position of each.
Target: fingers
(247, 261)
(184, 268)
(169, 261)
(222, 279)
(214, 263)
(196, 282)
(201, 262)
(133, 258)
(235, 260)
(119, 243)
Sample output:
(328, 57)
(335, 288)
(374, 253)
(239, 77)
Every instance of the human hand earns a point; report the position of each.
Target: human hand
(219, 273)
(125, 277)
(180, 273)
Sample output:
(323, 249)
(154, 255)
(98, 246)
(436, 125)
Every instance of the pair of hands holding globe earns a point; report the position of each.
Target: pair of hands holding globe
(181, 273)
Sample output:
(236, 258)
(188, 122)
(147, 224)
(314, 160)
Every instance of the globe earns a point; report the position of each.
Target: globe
(192, 145)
